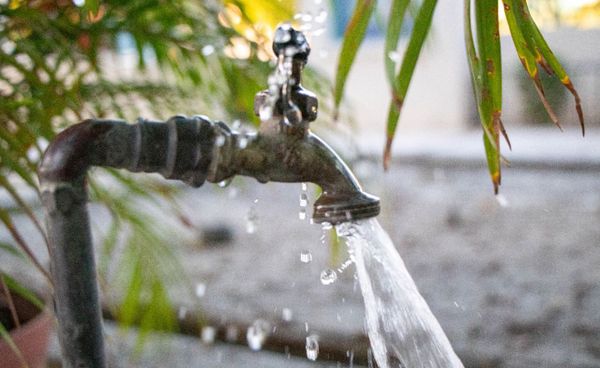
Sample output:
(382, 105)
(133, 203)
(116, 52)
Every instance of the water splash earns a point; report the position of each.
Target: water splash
(312, 347)
(402, 330)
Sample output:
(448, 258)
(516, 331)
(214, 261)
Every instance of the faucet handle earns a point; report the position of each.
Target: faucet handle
(287, 38)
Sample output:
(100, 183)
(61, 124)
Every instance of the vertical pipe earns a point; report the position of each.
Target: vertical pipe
(74, 272)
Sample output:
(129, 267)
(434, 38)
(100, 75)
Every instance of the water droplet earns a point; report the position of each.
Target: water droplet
(328, 276)
(502, 201)
(257, 334)
(394, 56)
(182, 312)
(265, 112)
(251, 218)
(207, 50)
(287, 314)
(304, 187)
(318, 2)
(344, 265)
(208, 335)
(302, 213)
(220, 141)
(306, 326)
(242, 142)
(312, 347)
(200, 289)
(224, 183)
(305, 256)
(231, 333)
(303, 200)
(326, 225)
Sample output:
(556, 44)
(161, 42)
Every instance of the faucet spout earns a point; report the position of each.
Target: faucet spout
(291, 158)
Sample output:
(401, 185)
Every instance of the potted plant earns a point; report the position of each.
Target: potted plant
(25, 326)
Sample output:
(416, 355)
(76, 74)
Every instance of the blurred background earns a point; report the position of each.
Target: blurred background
(512, 278)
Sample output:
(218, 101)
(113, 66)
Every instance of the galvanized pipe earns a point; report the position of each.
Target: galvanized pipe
(180, 149)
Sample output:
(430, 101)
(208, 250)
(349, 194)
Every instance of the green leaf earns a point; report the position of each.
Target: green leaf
(22, 291)
(545, 56)
(527, 57)
(394, 28)
(9, 248)
(486, 78)
(407, 68)
(353, 37)
(5, 183)
(490, 72)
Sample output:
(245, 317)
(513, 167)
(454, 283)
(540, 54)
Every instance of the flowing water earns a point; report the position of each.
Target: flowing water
(402, 330)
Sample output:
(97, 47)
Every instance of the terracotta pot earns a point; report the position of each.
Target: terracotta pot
(31, 338)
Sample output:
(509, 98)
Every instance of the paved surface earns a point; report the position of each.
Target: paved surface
(513, 286)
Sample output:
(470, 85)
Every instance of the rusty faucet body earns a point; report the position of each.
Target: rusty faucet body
(194, 150)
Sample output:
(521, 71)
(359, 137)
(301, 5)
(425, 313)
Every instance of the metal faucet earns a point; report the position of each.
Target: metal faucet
(194, 150)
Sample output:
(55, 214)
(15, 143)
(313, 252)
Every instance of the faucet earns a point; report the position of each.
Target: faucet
(194, 150)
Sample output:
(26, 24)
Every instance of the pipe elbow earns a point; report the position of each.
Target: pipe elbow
(69, 155)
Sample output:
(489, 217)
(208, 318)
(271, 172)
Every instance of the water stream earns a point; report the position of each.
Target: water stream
(402, 330)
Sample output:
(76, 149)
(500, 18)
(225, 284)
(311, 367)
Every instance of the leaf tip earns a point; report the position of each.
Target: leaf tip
(387, 153)
(496, 181)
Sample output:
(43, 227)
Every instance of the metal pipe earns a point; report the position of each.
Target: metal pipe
(192, 150)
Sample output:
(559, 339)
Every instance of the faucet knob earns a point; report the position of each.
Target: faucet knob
(297, 106)
(287, 39)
